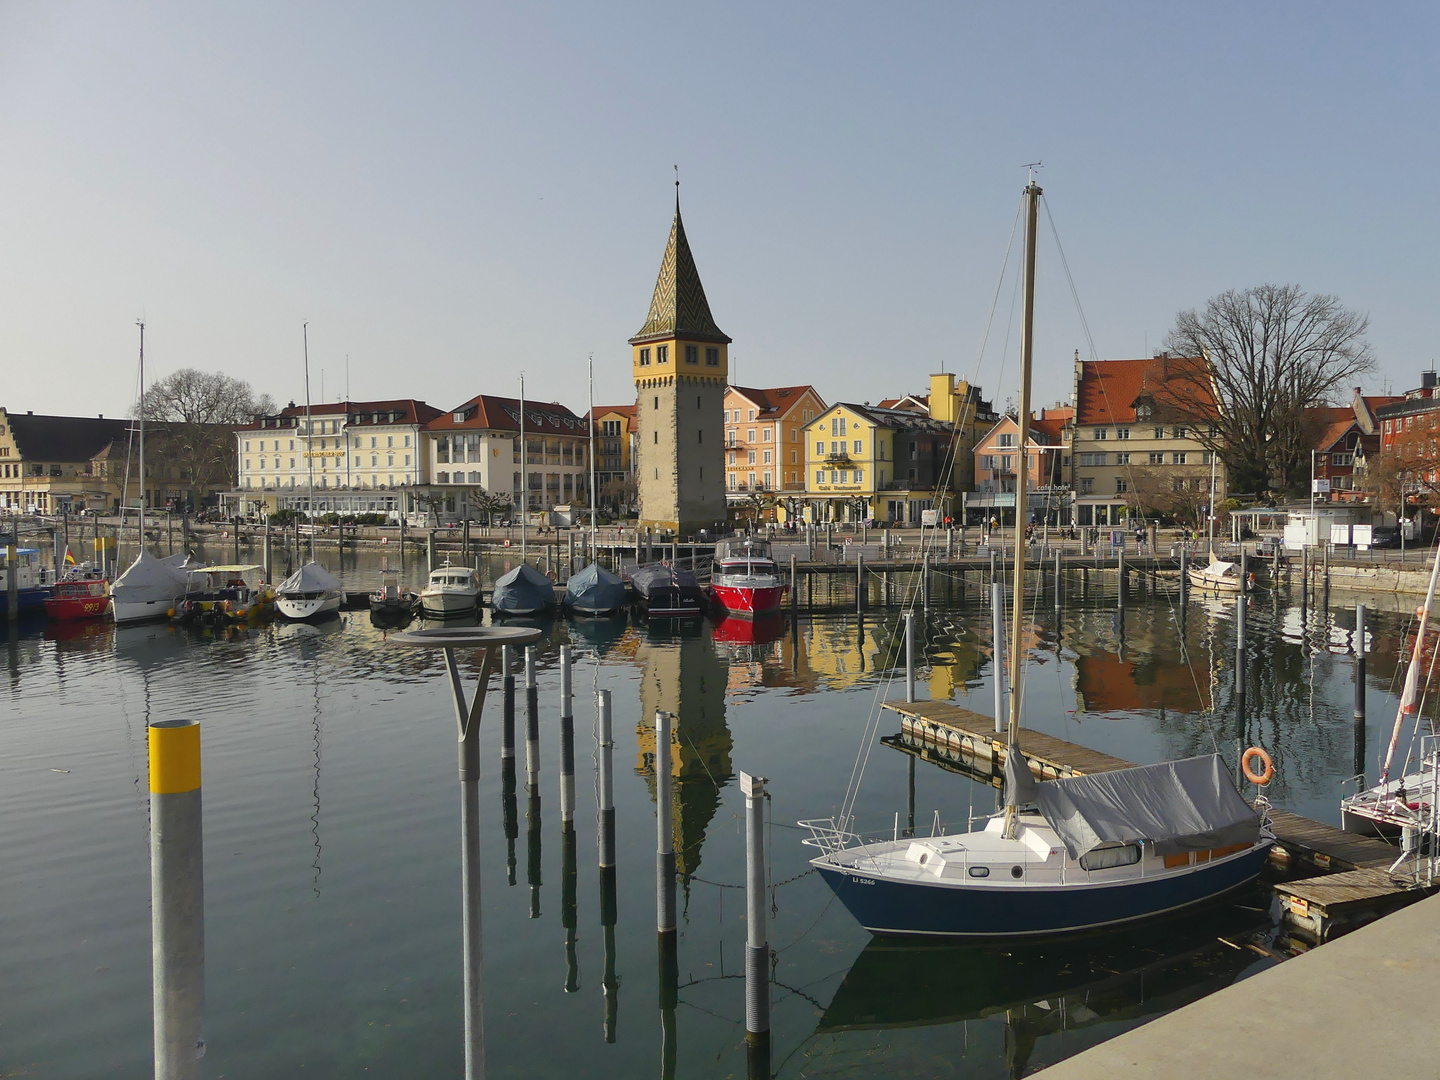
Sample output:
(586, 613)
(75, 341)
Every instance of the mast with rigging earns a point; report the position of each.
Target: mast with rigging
(593, 500)
(309, 443)
(524, 473)
(1022, 476)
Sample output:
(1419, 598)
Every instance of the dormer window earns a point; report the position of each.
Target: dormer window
(1144, 412)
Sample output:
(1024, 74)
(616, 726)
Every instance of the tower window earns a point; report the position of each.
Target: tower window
(657, 438)
(644, 357)
(692, 354)
(697, 401)
(662, 354)
(657, 402)
(712, 357)
(700, 435)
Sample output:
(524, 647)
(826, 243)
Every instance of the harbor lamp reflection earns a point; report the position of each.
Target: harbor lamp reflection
(485, 639)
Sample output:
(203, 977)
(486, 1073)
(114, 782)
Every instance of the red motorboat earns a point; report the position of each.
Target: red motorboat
(86, 595)
(745, 582)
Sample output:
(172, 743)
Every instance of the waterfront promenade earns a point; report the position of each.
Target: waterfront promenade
(1361, 1005)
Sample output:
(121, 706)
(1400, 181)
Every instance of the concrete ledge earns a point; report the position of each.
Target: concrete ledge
(1362, 1005)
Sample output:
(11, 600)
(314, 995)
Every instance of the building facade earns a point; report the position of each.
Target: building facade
(617, 438)
(765, 444)
(998, 462)
(348, 457)
(55, 464)
(681, 367)
(1134, 451)
(474, 458)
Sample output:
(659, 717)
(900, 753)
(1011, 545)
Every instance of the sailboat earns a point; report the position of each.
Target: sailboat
(1404, 805)
(594, 590)
(150, 588)
(1218, 575)
(1074, 854)
(312, 590)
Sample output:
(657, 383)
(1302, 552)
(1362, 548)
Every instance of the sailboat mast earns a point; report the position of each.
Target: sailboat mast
(309, 443)
(1212, 504)
(594, 501)
(1022, 476)
(141, 536)
(524, 473)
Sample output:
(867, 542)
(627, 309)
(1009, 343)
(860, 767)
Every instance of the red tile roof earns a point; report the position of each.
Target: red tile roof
(1330, 423)
(776, 400)
(1108, 389)
(485, 411)
(1047, 431)
(410, 410)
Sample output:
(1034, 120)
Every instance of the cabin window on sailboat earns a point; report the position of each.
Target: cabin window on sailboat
(1103, 858)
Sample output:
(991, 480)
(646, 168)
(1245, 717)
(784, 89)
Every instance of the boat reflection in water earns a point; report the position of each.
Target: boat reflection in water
(1043, 990)
(760, 630)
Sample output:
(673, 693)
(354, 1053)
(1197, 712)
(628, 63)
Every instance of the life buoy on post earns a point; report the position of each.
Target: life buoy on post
(507, 543)
(1266, 774)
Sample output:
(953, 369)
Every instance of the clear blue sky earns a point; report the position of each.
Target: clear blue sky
(451, 194)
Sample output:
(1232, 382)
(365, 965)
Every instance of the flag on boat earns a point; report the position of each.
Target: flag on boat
(69, 559)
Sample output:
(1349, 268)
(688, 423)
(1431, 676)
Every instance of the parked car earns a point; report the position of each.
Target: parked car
(1385, 536)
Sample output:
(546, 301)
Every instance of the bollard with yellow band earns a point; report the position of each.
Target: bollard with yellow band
(177, 899)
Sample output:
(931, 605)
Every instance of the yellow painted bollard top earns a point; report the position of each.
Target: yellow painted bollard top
(174, 756)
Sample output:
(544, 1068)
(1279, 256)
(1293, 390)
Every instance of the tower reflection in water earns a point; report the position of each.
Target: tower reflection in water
(683, 677)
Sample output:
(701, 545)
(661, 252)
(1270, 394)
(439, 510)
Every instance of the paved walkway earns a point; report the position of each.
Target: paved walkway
(1362, 1005)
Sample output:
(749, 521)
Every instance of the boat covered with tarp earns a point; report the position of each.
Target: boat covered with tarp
(667, 590)
(308, 593)
(523, 591)
(150, 588)
(595, 591)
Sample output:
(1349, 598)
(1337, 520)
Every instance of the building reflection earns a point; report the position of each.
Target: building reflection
(682, 674)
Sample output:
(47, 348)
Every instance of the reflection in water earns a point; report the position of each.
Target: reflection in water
(1041, 990)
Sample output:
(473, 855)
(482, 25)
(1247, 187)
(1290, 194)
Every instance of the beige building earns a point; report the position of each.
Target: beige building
(1133, 452)
(765, 442)
(681, 368)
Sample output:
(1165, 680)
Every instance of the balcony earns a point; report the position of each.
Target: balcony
(840, 458)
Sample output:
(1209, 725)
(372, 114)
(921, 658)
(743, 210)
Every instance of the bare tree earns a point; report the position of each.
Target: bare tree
(488, 503)
(1273, 351)
(196, 413)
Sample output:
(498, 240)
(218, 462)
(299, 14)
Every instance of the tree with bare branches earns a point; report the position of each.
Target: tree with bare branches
(1273, 351)
(194, 414)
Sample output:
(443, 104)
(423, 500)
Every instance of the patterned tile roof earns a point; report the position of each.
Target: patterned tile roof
(679, 307)
(1108, 389)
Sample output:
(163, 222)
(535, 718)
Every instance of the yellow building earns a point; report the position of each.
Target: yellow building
(617, 435)
(764, 446)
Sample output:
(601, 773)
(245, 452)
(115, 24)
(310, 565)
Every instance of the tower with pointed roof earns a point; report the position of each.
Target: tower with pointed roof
(681, 368)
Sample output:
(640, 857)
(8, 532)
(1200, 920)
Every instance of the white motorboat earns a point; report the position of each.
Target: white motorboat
(308, 593)
(451, 590)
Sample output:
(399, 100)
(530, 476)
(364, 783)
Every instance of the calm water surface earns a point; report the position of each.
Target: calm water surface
(332, 880)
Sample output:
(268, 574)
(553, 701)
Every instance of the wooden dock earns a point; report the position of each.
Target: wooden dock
(1355, 885)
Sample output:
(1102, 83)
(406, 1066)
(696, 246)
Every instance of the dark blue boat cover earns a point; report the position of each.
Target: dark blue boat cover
(523, 590)
(595, 589)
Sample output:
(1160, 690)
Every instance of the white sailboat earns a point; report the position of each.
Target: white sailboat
(1402, 805)
(1066, 855)
(150, 588)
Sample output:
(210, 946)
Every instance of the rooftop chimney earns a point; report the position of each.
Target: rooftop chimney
(1427, 380)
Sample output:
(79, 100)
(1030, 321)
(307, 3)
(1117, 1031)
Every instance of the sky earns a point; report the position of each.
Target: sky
(452, 195)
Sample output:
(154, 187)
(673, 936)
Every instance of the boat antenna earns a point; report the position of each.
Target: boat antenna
(1022, 476)
(594, 501)
(141, 535)
(524, 470)
(309, 443)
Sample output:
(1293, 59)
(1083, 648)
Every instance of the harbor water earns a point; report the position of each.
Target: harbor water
(332, 880)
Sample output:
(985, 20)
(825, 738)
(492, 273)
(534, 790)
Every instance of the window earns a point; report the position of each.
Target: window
(1122, 459)
(407, 459)
(1159, 433)
(987, 461)
(765, 434)
(750, 434)
(794, 434)
(692, 354)
(858, 446)
(375, 461)
(750, 416)
(859, 476)
(389, 440)
(712, 357)
(1007, 463)
(247, 448)
(751, 458)
(767, 457)
(833, 475)
(1005, 440)
(1103, 858)
(1342, 459)
(1122, 432)
(1178, 457)
(1177, 484)
(819, 476)
(1101, 434)
(819, 447)
(1087, 485)
(1121, 485)
(1180, 432)
(662, 354)
(1157, 457)
(844, 476)
(442, 477)
(1143, 412)
(732, 457)
(1089, 460)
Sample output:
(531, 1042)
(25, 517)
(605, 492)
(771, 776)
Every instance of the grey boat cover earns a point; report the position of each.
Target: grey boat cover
(309, 579)
(149, 578)
(595, 589)
(523, 590)
(1176, 806)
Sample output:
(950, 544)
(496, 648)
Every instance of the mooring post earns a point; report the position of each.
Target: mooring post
(605, 806)
(177, 899)
(859, 581)
(1244, 571)
(569, 904)
(1359, 645)
(567, 741)
(909, 656)
(12, 571)
(949, 542)
(430, 546)
(507, 718)
(268, 553)
(569, 552)
(925, 581)
(1057, 586)
(997, 635)
(1240, 680)
(532, 721)
(794, 587)
(757, 945)
(1184, 575)
(1120, 567)
(533, 853)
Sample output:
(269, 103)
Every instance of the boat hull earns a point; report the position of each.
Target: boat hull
(66, 608)
(135, 611)
(449, 603)
(301, 608)
(968, 911)
(746, 602)
(29, 601)
(1214, 585)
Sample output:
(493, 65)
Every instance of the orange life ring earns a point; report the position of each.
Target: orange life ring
(507, 543)
(1266, 775)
